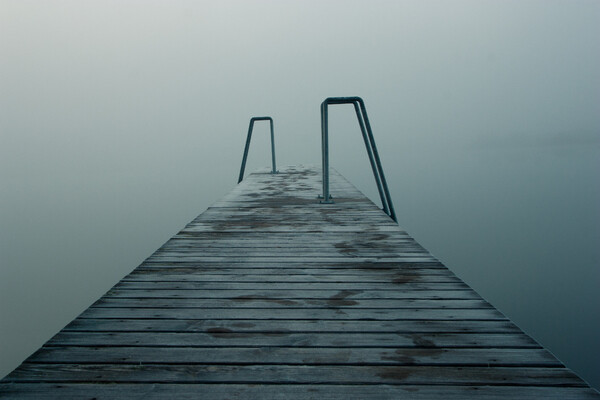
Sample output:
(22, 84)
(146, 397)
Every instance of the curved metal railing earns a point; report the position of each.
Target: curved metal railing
(367, 133)
(245, 157)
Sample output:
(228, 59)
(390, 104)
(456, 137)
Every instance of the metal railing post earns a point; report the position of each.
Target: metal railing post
(326, 198)
(371, 159)
(392, 212)
(247, 147)
(367, 133)
(274, 170)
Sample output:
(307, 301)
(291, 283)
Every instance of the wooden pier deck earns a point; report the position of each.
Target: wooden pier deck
(270, 295)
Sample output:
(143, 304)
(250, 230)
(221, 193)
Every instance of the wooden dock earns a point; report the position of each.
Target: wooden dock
(271, 295)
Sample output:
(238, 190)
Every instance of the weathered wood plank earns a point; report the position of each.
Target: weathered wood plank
(385, 274)
(296, 356)
(148, 292)
(304, 244)
(285, 392)
(221, 336)
(295, 313)
(347, 264)
(291, 326)
(299, 227)
(261, 259)
(323, 278)
(301, 237)
(292, 286)
(333, 250)
(342, 301)
(413, 375)
(157, 391)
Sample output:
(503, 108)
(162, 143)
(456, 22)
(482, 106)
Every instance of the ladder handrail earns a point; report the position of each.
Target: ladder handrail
(367, 133)
(247, 147)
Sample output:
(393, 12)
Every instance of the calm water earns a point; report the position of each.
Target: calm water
(119, 124)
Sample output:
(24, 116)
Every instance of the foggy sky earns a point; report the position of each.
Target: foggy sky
(121, 121)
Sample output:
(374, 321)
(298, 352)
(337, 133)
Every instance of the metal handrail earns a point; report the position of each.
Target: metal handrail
(250, 128)
(367, 133)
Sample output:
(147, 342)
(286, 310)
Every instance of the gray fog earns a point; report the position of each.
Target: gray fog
(122, 121)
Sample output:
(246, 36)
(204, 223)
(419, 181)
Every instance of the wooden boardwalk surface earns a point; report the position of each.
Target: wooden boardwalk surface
(270, 295)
